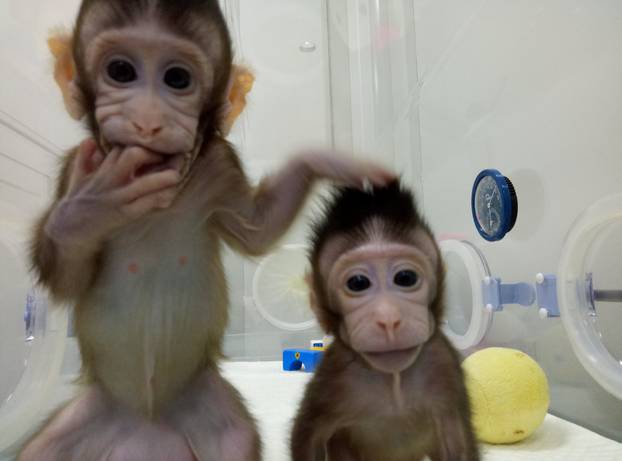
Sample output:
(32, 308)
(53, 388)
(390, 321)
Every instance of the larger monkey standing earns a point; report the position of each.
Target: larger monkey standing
(133, 238)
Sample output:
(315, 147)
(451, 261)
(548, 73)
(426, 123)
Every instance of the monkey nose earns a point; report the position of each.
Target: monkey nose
(147, 128)
(390, 326)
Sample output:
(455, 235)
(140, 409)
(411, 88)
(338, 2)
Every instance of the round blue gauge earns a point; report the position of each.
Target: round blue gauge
(494, 205)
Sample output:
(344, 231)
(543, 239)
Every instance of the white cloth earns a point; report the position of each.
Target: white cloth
(273, 396)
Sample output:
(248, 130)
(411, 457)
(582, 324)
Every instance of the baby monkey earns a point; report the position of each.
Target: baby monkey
(390, 387)
(133, 238)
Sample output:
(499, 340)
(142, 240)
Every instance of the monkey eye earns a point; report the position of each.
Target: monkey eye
(177, 78)
(406, 278)
(358, 283)
(121, 71)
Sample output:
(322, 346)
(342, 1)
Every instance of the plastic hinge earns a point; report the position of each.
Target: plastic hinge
(496, 294)
(546, 292)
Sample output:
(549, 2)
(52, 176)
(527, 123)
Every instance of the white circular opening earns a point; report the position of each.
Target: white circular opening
(280, 291)
(579, 318)
(466, 318)
(31, 353)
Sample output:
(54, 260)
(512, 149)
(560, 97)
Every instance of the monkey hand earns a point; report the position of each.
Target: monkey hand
(346, 170)
(106, 193)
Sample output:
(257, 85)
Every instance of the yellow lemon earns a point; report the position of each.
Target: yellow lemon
(509, 394)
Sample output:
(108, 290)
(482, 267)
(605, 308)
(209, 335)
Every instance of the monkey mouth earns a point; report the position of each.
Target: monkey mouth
(392, 361)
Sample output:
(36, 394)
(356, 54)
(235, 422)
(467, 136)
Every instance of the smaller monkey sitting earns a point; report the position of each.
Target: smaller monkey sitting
(390, 386)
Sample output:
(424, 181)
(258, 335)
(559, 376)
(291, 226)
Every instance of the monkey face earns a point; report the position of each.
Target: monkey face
(149, 87)
(383, 291)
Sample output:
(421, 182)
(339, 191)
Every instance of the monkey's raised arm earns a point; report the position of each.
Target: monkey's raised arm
(268, 211)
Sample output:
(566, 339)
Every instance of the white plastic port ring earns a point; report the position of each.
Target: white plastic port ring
(576, 313)
(477, 269)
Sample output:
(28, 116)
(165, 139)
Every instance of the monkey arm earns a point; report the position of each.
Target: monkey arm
(455, 437)
(309, 441)
(269, 211)
(318, 437)
(263, 215)
(65, 270)
(324, 413)
(96, 196)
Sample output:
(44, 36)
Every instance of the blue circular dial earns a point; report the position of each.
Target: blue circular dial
(494, 205)
(488, 206)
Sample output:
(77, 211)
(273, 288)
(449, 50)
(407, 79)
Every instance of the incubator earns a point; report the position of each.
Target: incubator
(440, 91)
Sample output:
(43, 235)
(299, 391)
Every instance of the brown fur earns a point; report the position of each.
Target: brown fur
(192, 19)
(138, 354)
(347, 401)
(60, 45)
(139, 256)
(217, 182)
(350, 411)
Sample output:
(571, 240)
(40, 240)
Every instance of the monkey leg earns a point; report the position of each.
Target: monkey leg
(215, 421)
(93, 427)
(339, 449)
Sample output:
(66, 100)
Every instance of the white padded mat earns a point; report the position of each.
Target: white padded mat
(273, 395)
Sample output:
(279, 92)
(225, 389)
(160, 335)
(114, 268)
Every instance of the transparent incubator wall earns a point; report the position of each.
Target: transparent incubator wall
(437, 90)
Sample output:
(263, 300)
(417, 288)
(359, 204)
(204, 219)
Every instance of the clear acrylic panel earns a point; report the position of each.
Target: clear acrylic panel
(603, 265)
(20, 320)
(459, 301)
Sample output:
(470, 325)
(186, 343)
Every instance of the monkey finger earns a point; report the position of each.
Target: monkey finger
(143, 205)
(96, 160)
(376, 175)
(82, 164)
(117, 169)
(104, 176)
(148, 184)
(362, 175)
(109, 160)
(347, 170)
(131, 159)
(95, 156)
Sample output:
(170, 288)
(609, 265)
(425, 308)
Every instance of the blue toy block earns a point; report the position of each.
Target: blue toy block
(294, 359)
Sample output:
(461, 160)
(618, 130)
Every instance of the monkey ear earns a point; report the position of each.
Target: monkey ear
(240, 84)
(59, 44)
(322, 316)
(312, 296)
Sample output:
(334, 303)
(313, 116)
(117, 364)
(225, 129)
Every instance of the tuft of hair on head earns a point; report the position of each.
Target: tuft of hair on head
(358, 216)
(348, 212)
